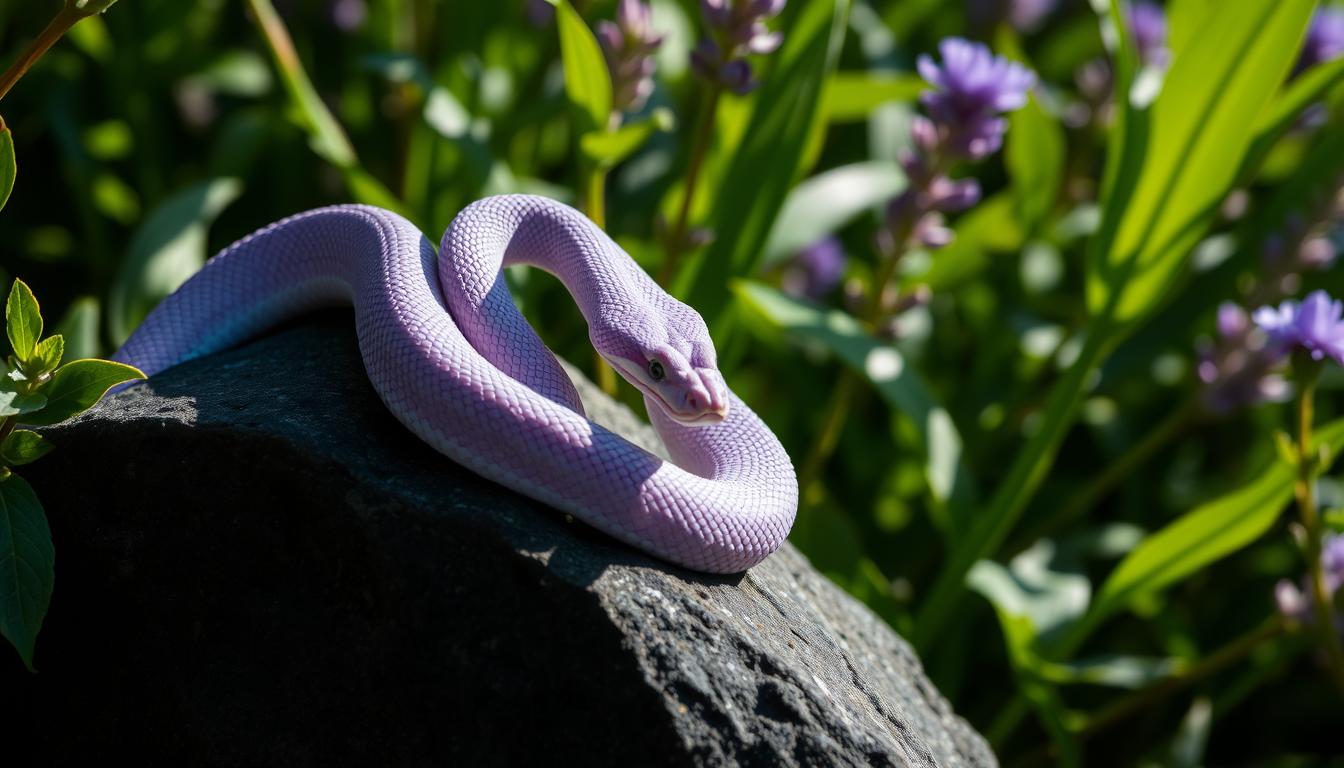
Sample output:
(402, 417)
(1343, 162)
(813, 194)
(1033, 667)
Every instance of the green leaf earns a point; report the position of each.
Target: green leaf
(27, 566)
(766, 163)
(1174, 172)
(587, 82)
(76, 386)
(79, 328)
(1303, 91)
(887, 370)
(827, 202)
(1203, 536)
(169, 247)
(1128, 672)
(607, 148)
(1034, 155)
(8, 165)
(15, 403)
(1049, 594)
(23, 447)
(23, 320)
(997, 585)
(854, 95)
(47, 355)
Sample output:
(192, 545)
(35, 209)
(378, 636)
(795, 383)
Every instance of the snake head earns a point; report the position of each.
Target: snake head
(669, 356)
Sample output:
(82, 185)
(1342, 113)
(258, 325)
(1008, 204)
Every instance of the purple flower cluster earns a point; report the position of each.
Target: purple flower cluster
(737, 29)
(1148, 25)
(815, 270)
(1238, 369)
(1314, 327)
(1296, 602)
(972, 88)
(1028, 15)
(1325, 38)
(629, 45)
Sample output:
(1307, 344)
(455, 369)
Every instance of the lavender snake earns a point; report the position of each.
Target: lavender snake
(455, 361)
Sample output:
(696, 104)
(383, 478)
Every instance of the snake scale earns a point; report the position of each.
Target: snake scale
(455, 362)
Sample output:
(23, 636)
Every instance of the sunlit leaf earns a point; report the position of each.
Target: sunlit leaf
(23, 320)
(1034, 154)
(169, 247)
(1179, 167)
(854, 95)
(827, 202)
(1204, 535)
(587, 82)
(76, 387)
(765, 165)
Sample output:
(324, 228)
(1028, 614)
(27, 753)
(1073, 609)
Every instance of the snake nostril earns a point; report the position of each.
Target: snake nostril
(693, 402)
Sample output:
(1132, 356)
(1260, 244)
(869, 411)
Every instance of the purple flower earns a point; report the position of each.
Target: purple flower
(815, 270)
(1325, 38)
(1314, 326)
(1238, 369)
(540, 13)
(1297, 603)
(972, 88)
(1148, 25)
(628, 46)
(737, 29)
(349, 15)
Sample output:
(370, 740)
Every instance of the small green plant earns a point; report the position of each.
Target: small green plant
(36, 390)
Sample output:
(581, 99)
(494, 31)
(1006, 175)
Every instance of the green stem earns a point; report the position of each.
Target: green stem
(65, 18)
(1113, 475)
(704, 132)
(991, 527)
(1146, 698)
(595, 207)
(1214, 662)
(1324, 624)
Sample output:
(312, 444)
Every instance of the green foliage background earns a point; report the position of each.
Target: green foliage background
(1136, 627)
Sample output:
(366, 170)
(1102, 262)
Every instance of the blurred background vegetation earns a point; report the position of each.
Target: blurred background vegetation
(163, 130)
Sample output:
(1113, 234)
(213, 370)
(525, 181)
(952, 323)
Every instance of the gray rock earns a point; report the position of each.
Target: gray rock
(257, 565)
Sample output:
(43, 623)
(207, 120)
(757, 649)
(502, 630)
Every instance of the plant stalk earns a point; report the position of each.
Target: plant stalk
(61, 23)
(704, 132)
(1323, 623)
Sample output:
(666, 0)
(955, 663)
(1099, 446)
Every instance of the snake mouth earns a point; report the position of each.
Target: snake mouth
(708, 415)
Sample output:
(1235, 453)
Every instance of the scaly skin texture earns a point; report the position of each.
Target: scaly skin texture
(462, 369)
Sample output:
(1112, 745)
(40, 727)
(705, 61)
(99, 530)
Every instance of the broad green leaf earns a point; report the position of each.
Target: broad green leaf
(827, 202)
(854, 95)
(1198, 132)
(587, 82)
(47, 355)
(1204, 535)
(8, 166)
(27, 565)
(1303, 91)
(79, 328)
(1034, 155)
(605, 149)
(1034, 586)
(887, 370)
(1185, 19)
(15, 403)
(23, 320)
(765, 165)
(76, 386)
(23, 447)
(169, 247)
(1019, 636)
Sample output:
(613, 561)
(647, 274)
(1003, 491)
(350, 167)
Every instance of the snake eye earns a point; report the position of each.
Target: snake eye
(656, 370)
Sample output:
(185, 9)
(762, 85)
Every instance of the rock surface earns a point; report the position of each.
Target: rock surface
(256, 565)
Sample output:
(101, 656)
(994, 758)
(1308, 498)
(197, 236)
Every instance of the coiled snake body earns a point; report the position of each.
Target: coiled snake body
(457, 364)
